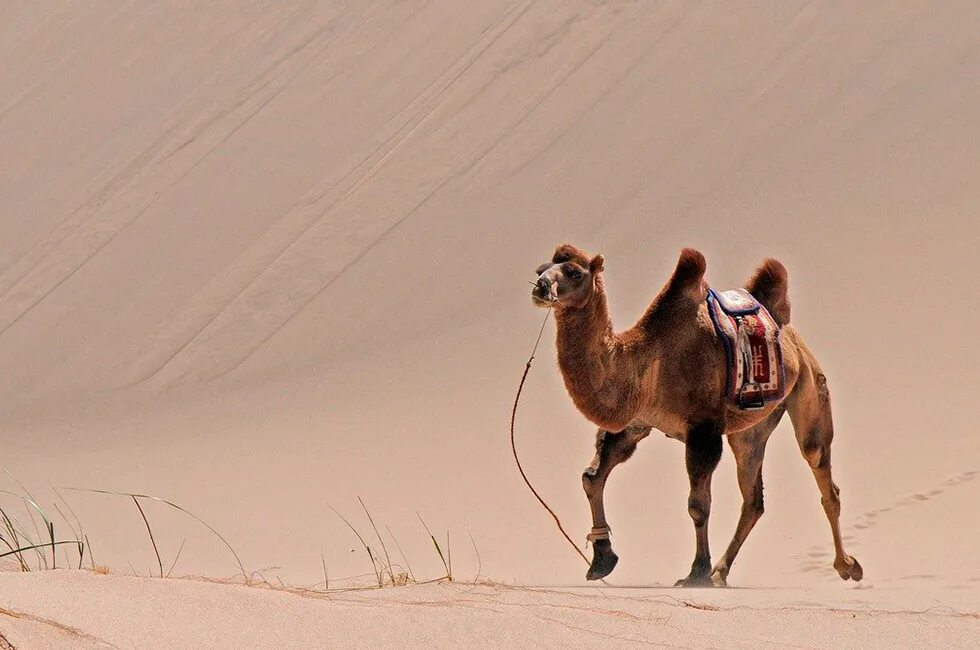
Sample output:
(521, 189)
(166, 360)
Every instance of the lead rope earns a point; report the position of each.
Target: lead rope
(513, 445)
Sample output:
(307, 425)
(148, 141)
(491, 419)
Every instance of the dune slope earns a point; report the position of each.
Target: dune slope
(259, 258)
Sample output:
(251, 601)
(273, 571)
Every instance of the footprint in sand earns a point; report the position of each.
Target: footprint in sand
(869, 519)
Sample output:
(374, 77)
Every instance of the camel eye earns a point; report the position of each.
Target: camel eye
(573, 274)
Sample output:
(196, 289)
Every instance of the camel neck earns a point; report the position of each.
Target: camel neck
(585, 327)
(590, 359)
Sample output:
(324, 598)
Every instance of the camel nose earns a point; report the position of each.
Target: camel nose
(542, 288)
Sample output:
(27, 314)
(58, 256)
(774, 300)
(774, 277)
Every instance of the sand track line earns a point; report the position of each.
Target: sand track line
(128, 173)
(100, 237)
(607, 90)
(451, 176)
(233, 273)
(50, 72)
(61, 627)
(387, 149)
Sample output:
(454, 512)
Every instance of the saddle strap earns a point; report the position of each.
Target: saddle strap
(745, 348)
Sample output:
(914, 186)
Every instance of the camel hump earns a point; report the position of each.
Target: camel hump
(688, 277)
(770, 286)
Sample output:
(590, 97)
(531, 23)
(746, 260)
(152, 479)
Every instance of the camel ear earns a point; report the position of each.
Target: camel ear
(596, 265)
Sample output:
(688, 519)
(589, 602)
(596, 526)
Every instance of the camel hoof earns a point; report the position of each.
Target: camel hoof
(849, 569)
(603, 560)
(719, 578)
(695, 581)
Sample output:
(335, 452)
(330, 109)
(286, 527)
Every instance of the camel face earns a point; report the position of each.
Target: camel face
(566, 285)
(567, 281)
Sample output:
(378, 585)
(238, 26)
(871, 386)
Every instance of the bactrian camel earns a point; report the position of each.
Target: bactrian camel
(668, 372)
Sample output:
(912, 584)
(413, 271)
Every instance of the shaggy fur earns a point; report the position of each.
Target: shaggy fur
(667, 372)
(770, 286)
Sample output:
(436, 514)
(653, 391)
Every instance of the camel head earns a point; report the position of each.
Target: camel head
(568, 280)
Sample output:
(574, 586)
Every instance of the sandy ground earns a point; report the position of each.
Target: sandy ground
(151, 613)
(263, 259)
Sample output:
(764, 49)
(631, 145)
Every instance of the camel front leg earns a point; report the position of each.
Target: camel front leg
(702, 455)
(611, 449)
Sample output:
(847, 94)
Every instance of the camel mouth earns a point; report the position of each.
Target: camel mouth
(544, 293)
(541, 302)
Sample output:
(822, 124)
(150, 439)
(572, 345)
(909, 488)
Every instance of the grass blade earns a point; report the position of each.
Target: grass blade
(13, 543)
(37, 546)
(80, 533)
(367, 548)
(33, 502)
(91, 557)
(479, 560)
(184, 510)
(176, 557)
(150, 532)
(445, 565)
(326, 578)
(54, 560)
(29, 501)
(384, 548)
(411, 573)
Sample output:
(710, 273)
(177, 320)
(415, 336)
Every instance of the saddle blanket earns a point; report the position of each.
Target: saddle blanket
(751, 339)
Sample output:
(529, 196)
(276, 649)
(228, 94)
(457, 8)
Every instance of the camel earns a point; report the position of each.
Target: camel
(668, 372)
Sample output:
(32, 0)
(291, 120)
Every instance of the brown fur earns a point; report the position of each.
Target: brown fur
(667, 372)
(770, 286)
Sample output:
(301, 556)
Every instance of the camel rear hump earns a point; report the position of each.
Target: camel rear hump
(770, 286)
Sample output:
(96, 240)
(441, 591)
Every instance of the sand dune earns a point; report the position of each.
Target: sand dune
(258, 259)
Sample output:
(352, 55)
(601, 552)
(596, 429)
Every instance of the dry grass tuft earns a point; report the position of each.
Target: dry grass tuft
(34, 545)
(386, 573)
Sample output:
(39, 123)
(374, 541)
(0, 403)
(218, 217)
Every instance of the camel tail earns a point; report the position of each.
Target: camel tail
(770, 285)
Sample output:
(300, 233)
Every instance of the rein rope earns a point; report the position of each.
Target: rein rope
(513, 446)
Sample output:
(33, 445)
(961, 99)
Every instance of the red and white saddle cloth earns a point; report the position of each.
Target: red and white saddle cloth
(751, 339)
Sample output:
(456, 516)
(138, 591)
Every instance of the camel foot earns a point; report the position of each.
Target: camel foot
(719, 577)
(849, 569)
(603, 560)
(701, 580)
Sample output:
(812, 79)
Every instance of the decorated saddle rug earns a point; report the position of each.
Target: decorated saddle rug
(751, 339)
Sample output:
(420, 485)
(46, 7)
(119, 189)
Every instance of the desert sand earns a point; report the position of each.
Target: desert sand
(265, 259)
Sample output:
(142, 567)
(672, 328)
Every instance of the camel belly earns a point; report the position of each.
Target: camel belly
(670, 425)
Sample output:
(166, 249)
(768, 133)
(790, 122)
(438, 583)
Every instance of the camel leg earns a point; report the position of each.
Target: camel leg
(702, 455)
(611, 449)
(749, 448)
(809, 409)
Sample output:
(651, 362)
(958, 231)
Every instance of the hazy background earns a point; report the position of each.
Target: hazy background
(258, 259)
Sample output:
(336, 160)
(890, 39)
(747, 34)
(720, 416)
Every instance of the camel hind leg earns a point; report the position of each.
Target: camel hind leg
(809, 409)
(749, 448)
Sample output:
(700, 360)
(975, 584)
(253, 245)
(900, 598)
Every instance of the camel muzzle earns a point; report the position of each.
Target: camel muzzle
(545, 292)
